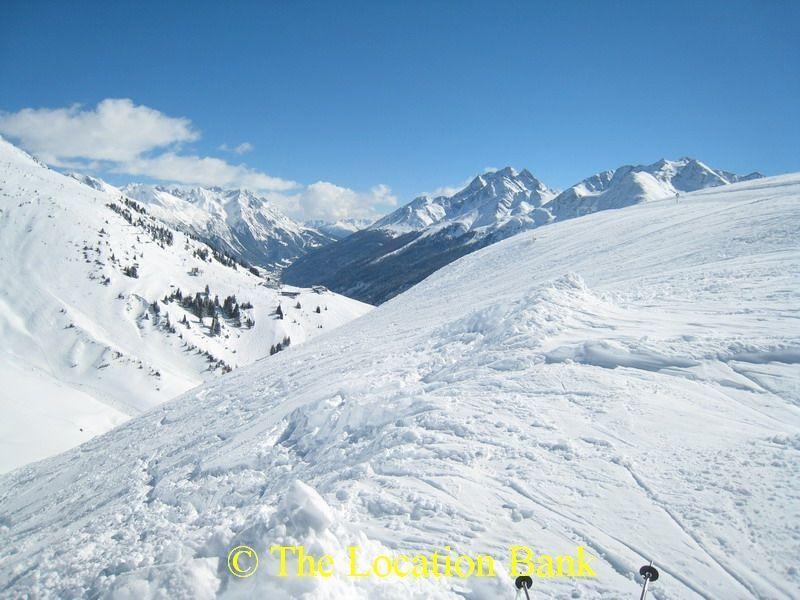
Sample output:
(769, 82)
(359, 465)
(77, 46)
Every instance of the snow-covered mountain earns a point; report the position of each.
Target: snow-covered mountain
(409, 244)
(237, 222)
(641, 183)
(406, 246)
(627, 381)
(106, 311)
(489, 201)
(339, 229)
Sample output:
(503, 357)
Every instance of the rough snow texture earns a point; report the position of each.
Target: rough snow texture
(627, 381)
(82, 346)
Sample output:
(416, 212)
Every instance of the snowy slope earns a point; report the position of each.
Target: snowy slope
(406, 246)
(627, 381)
(83, 347)
(641, 183)
(235, 221)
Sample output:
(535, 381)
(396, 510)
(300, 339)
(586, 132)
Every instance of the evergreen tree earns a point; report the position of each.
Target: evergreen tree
(216, 328)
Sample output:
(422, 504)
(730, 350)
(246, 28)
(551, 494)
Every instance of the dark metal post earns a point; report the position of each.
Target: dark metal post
(650, 573)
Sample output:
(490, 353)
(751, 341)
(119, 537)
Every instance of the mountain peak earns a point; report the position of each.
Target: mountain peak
(478, 182)
(632, 184)
(236, 220)
(487, 202)
(506, 172)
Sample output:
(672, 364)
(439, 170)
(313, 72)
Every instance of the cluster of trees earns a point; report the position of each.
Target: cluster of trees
(131, 271)
(224, 258)
(215, 363)
(282, 345)
(160, 234)
(202, 306)
(156, 310)
(201, 253)
(221, 256)
(133, 205)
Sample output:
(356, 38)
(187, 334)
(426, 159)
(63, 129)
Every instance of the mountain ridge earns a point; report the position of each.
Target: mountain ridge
(237, 221)
(631, 184)
(402, 248)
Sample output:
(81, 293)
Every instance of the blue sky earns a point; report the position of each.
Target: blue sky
(379, 101)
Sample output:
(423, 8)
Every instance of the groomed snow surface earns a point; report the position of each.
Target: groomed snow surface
(626, 381)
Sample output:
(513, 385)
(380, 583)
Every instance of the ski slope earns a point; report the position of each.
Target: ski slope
(626, 381)
(86, 346)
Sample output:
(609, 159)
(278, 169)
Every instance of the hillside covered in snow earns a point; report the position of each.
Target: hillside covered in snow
(626, 381)
(237, 222)
(106, 310)
(403, 248)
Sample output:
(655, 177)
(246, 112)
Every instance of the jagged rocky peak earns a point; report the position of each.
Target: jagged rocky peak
(488, 200)
(239, 221)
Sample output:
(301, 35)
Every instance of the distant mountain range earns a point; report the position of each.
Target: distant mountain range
(386, 258)
(633, 184)
(339, 229)
(236, 221)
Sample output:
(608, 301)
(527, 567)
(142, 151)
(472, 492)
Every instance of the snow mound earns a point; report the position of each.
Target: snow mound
(612, 355)
(303, 509)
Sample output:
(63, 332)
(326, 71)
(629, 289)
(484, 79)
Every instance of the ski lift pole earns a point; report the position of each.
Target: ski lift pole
(524, 583)
(650, 573)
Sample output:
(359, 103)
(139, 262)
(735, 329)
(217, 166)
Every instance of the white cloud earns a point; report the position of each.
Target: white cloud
(330, 202)
(116, 130)
(448, 190)
(120, 137)
(242, 148)
(204, 171)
